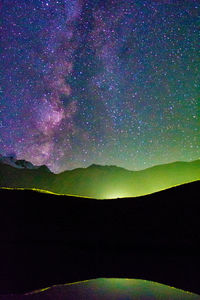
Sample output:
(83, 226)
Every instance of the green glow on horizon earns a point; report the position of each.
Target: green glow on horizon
(103, 182)
(42, 191)
(107, 195)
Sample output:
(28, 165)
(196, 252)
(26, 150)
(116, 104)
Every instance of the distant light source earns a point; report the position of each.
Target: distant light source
(115, 195)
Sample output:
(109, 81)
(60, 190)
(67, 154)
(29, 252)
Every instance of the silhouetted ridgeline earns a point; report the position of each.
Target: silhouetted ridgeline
(46, 239)
(102, 182)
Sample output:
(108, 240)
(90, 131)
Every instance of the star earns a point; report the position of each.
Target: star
(99, 82)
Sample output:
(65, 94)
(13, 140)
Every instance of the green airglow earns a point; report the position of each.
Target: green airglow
(102, 182)
(108, 195)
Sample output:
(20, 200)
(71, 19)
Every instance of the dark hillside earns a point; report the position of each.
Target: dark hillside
(47, 239)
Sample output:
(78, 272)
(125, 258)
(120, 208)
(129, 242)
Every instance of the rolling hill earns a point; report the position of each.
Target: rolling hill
(101, 182)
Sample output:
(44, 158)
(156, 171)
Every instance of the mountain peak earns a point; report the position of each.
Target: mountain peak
(11, 160)
(99, 181)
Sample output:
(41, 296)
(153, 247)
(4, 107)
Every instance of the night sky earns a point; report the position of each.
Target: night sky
(100, 81)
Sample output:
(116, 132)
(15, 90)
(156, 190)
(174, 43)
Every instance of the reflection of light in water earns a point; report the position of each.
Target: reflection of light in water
(113, 288)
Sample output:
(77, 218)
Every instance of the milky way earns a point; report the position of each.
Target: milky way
(105, 82)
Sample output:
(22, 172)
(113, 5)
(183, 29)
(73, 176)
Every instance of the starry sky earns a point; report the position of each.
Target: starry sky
(111, 82)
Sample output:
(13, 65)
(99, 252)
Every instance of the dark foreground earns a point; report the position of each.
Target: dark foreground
(47, 239)
(107, 289)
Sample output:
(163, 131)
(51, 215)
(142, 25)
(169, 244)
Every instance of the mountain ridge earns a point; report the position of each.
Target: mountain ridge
(21, 163)
(101, 182)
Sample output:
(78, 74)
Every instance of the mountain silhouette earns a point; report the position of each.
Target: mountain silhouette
(12, 161)
(100, 182)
